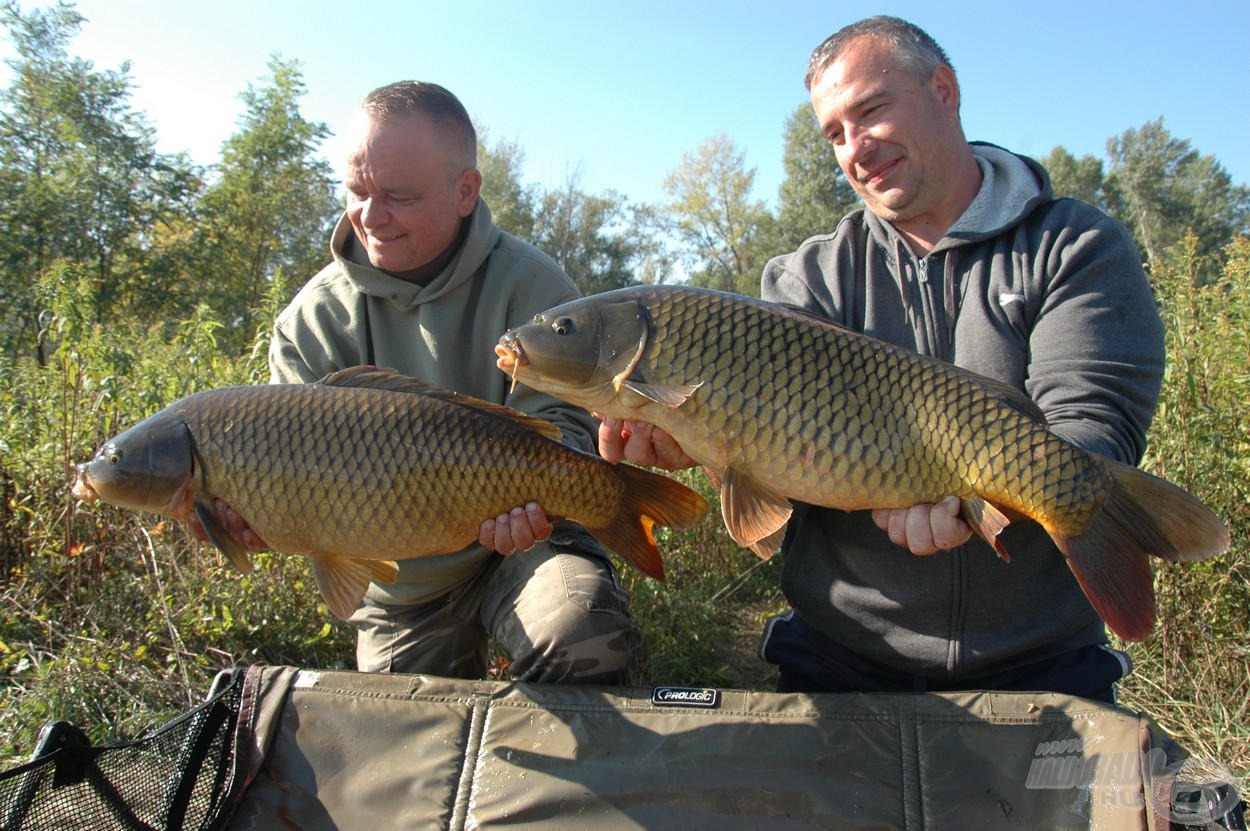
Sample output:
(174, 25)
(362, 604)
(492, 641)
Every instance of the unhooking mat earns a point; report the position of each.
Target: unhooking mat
(280, 748)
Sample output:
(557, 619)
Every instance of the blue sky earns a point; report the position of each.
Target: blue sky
(615, 94)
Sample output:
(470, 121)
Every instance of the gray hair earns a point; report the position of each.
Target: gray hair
(431, 100)
(916, 51)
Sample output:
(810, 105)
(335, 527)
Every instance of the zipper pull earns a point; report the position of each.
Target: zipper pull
(922, 265)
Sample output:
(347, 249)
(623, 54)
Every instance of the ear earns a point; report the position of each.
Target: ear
(945, 88)
(468, 187)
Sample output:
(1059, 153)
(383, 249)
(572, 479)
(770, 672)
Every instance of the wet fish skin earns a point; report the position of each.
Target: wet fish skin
(367, 467)
(777, 404)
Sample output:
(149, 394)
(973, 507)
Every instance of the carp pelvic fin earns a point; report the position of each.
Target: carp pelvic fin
(343, 581)
(987, 522)
(755, 515)
(220, 537)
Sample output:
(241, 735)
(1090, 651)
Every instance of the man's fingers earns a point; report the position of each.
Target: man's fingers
(926, 528)
(947, 525)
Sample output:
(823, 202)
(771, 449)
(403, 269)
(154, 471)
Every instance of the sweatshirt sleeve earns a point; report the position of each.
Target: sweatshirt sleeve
(1096, 350)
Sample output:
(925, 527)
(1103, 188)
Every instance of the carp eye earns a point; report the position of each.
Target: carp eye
(115, 458)
(562, 326)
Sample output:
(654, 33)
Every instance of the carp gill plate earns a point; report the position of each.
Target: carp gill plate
(366, 467)
(777, 404)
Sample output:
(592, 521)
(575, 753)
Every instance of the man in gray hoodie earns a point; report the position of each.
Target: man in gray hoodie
(961, 252)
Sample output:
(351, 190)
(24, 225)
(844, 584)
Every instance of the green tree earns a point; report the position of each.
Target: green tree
(591, 237)
(1161, 187)
(269, 209)
(511, 202)
(815, 194)
(80, 181)
(724, 234)
(1075, 178)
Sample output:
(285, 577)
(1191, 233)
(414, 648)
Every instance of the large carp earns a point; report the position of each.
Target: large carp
(366, 467)
(777, 405)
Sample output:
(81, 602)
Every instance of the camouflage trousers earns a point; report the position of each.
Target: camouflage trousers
(561, 615)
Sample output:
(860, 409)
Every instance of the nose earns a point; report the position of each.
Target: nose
(859, 144)
(373, 211)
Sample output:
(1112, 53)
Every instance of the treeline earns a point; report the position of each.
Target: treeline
(155, 236)
(129, 278)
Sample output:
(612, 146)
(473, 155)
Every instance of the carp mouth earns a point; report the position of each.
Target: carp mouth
(511, 357)
(82, 489)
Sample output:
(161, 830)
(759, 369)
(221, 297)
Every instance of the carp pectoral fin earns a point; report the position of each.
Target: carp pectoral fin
(987, 522)
(671, 396)
(220, 537)
(753, 514)
(343, 582)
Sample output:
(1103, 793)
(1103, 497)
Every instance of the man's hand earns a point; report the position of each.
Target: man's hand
(925, 529)
(641, 443)
(516, 530)
(234, 524)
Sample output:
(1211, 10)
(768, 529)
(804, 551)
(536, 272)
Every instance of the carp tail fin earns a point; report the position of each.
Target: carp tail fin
(1143, 515)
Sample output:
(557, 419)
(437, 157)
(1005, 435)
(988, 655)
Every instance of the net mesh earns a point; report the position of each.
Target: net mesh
(176, 777)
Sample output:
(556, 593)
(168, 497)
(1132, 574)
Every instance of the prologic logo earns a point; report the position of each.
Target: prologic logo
(685, 697)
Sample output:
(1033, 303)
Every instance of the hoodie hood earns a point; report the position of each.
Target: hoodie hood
(477, 245)
(1012, 187)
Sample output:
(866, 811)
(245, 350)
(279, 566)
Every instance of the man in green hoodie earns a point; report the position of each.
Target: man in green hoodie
(424, 282)
(962, 252)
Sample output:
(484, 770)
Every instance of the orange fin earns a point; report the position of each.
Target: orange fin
(389, 379)
(650, 499)
(220, 537)
(987, 522)
(767, 547)
(1142, 515)
(343, 581)
(754, 515)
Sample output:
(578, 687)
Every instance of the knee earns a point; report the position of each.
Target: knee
(570, 624)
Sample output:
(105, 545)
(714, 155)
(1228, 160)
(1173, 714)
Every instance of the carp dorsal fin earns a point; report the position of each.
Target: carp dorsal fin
(389, 379)
(755, 515)
(1015, 399)
(1006, 394)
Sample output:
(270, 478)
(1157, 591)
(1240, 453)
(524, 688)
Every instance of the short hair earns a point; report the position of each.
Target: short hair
(431, 100)
(915, 49)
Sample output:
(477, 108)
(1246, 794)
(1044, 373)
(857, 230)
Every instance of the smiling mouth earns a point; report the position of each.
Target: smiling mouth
(877, 174)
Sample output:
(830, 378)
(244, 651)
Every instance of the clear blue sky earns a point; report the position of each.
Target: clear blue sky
(618, 92)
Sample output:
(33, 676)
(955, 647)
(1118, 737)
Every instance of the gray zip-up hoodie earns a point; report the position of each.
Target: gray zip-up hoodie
(1047, 295)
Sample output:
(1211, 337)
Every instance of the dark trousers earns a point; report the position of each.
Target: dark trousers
(810, 662)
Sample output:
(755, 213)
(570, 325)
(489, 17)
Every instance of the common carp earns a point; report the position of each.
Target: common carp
(777, 404)
(366, 467)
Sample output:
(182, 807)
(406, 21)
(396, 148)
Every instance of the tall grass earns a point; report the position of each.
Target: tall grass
(1193, 675)
(117, 621)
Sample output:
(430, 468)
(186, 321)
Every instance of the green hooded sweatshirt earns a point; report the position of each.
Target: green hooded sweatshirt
(443, 332)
